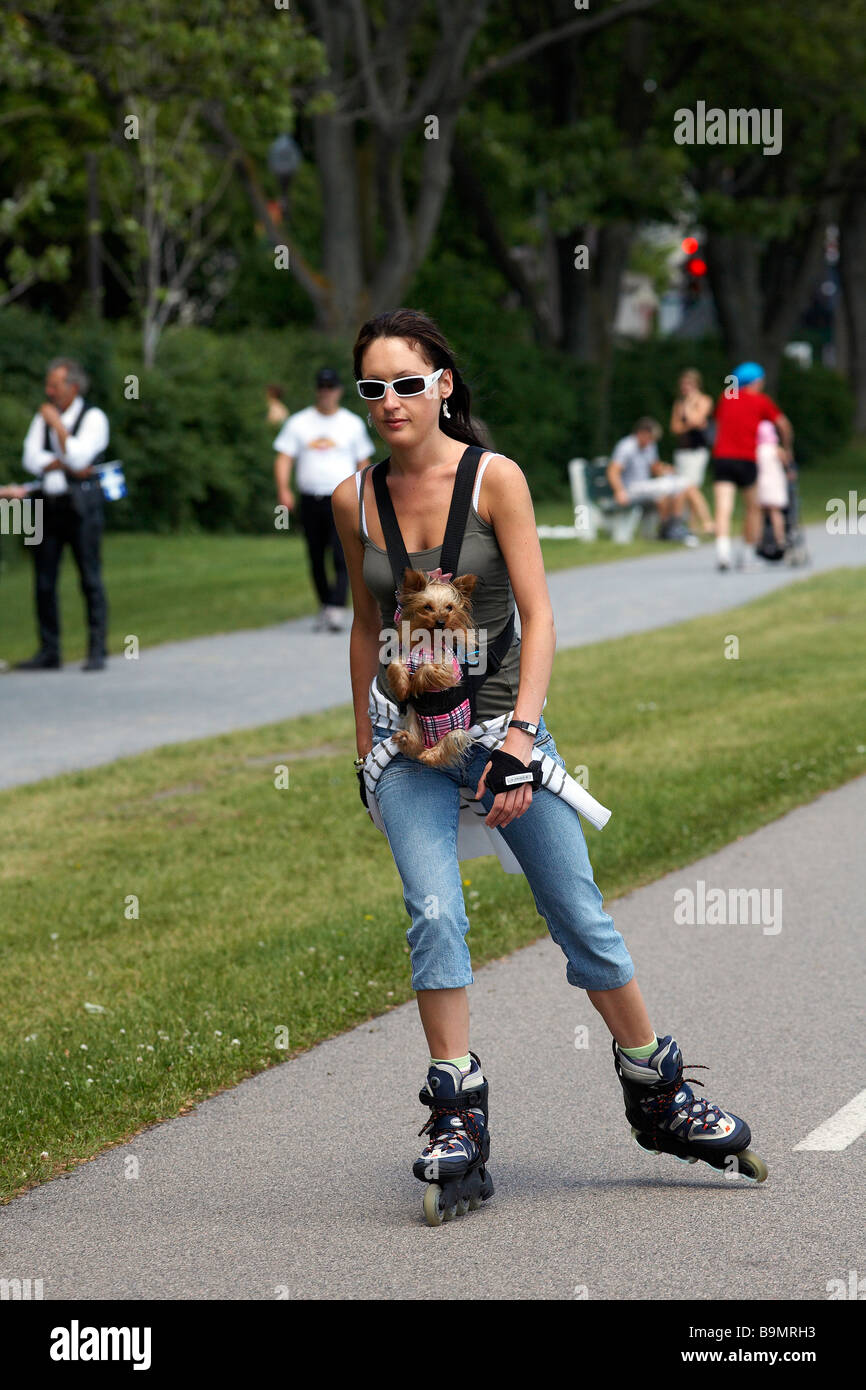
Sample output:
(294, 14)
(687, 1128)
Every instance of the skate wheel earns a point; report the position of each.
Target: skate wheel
(433, 1212)
(751, 1166)
(462, 1206)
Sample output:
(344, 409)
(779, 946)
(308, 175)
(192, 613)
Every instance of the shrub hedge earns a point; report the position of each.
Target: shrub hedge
(197, 448)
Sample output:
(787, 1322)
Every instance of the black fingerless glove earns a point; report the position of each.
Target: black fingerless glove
(508, 773)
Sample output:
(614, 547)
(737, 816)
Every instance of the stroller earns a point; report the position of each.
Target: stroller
(794, 551)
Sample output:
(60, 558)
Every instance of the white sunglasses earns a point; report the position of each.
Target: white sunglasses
(373, 389)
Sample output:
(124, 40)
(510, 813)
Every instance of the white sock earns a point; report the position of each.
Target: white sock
(723, 549)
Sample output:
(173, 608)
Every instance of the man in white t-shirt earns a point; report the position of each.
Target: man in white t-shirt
(326, 443)
(636, 474)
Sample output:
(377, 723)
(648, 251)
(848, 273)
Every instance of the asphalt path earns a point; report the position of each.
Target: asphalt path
(60, 721)
(297, 1182)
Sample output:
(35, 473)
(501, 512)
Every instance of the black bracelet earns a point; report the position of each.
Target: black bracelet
(525, 726)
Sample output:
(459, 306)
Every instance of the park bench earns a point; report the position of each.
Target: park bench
(595, 509)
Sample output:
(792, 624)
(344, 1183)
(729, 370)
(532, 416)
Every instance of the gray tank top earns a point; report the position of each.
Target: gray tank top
(492, 600)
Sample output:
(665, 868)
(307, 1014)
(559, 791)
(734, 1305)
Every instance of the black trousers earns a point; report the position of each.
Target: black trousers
(317, 522)
(76, 518)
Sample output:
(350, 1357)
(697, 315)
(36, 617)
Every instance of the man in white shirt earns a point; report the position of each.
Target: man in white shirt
(326, 443)
(66, 437)
(636, 474)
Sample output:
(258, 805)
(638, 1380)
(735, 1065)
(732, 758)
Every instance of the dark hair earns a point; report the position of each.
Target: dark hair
(647, 423)
(428, 339)
(275, 392)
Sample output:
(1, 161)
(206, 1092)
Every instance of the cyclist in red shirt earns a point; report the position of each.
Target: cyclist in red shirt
(734, 466)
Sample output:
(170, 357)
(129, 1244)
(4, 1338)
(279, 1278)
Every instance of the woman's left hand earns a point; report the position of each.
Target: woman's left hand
(509, 806)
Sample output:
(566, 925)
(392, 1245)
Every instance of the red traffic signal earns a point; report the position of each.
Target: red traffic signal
(696, 266)
(689, 245)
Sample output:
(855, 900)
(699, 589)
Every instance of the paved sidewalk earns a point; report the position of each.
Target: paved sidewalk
(63, 720)
(298, 1180)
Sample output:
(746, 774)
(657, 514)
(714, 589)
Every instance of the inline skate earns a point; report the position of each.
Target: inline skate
(453, 1162)
(667, 1117)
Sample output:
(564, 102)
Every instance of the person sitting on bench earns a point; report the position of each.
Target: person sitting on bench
(636, 475)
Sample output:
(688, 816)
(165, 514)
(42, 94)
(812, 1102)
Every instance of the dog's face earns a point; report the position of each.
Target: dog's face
(430, 603)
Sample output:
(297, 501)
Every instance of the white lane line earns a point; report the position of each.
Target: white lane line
(841, 1129)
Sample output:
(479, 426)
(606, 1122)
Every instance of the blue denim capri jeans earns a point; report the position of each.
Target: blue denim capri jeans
(420, 808)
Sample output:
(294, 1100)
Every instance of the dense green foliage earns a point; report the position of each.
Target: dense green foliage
(197, 447)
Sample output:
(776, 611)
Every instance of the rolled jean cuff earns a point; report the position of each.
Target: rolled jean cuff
(420, 983)
(614, 979)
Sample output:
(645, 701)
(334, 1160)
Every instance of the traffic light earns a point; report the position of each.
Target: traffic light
(694, 268)
(695, 263)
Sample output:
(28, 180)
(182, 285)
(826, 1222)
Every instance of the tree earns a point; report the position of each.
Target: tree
(383, 131)
(37, 168)
(154, 77)
(766, 215)
(571, 174)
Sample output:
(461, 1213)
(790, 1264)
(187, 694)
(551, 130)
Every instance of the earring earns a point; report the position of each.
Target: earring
(445, 411)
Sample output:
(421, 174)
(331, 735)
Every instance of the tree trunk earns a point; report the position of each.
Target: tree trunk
(338, 309)
(791, 271)
(471, 194)
(590, 297)
(852, 273)
(761, 291)
(734, 274)
(94, 237)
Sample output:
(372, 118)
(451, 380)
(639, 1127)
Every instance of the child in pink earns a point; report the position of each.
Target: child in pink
(772, 481)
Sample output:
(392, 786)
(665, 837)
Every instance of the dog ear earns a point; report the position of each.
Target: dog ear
(414, 582)
(464, 584)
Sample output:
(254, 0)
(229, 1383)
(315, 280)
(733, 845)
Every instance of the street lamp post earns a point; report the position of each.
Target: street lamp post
(284, 160)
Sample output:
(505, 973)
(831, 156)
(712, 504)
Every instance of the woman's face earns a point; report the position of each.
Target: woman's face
(403, 419)
(688, 383)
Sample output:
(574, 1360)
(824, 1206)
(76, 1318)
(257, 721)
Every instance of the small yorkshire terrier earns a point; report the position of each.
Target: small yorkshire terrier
(437, 727)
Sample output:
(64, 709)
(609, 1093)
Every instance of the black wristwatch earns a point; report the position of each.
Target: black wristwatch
(524, 725)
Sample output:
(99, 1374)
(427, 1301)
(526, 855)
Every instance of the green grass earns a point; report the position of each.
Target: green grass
(169, 588)
(260, 908)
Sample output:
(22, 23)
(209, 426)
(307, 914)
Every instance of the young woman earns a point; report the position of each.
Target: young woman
(690, 418)
(419, 404)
